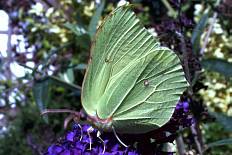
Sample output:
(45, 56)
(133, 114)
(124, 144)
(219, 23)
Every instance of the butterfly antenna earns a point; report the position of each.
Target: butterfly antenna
(89, 130)
(118, 138)
(67, 120)
(104, 146)
(46, 111)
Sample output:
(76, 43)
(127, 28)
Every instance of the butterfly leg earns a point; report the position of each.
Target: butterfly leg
(90, 130)
(81, 131)
(104, 146)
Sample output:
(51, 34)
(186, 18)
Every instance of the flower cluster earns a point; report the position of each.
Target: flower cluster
(180, 119)
(83, 139)
(182, 115)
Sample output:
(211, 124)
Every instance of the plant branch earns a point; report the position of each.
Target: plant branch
(56, 79)
(206, 40)
(196, 138)
(180, 145)
(36, 149)
(185, 58)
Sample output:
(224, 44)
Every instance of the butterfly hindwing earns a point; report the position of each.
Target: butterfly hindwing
(151, 105)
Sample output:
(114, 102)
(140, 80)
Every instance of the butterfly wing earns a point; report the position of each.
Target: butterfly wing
(150, 105)
(123, 56)
(120, 40)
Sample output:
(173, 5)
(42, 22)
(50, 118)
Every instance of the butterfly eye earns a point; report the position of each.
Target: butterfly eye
(146, 83)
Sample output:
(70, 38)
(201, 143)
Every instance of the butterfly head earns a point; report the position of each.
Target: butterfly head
(102, 124)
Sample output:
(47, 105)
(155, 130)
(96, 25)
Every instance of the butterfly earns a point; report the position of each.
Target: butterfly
(132, 83)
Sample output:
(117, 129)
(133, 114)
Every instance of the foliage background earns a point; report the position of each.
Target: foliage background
(57, 37)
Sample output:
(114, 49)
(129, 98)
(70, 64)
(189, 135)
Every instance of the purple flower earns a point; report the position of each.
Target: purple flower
(65, 152)
(185, 106)
(182, 116)
(54, 150)
(78, 141)
(70, 136)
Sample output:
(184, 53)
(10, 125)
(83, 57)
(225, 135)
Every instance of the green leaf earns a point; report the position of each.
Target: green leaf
(94, 20)
(81, 66)
(84, 41)
(64, 84)
(82, 37)
(77, 30)
(226, 121)
(41, 94)
(197, 32)
(171, 11)
(78, 66)
(68, 76)
(220, 143)
(218, 65)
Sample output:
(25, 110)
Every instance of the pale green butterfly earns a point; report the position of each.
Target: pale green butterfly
(132, 84)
